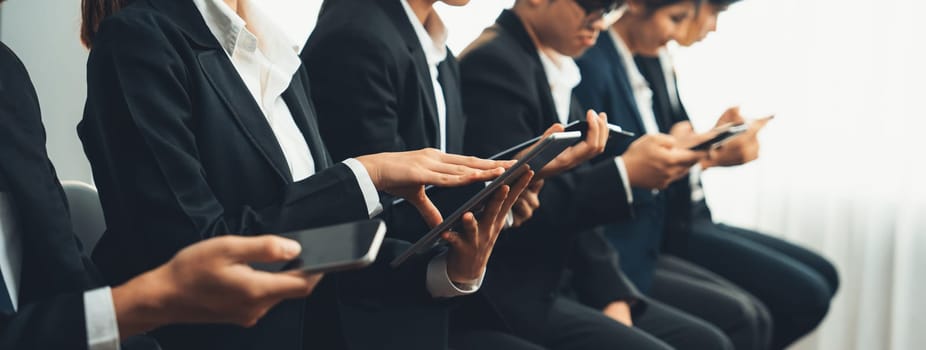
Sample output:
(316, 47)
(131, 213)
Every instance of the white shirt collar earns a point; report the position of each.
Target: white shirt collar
(231, 32)
(562, 77)
(433, 38)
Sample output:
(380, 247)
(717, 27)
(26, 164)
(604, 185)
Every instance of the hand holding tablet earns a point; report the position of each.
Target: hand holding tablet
(538, 156)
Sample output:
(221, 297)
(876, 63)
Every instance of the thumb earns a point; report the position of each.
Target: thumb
(555, 128)
(731, 115)
(266, 248)
(426, 208)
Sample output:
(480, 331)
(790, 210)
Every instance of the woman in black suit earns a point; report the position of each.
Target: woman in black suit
(196, 127)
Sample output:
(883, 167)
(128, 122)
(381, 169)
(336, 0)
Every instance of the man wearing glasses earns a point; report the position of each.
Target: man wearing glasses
(517, 79)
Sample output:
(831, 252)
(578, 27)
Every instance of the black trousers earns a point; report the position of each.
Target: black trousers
(703, 294)
(795, 283)
(573, 326)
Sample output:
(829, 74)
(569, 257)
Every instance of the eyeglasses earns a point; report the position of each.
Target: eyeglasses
(596, 9)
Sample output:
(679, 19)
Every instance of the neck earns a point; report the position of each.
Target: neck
(421, 8)
(622, 27)
(233, 4)
(527, 21)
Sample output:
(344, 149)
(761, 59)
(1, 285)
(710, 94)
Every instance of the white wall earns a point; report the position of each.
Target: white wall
(44, 33)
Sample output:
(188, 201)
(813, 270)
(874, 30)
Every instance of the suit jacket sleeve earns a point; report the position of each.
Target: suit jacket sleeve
(29, 177)
(139, 133)
(54, 323)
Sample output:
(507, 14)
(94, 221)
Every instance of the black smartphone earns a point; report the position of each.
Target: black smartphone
(724, 133)
(341, 247)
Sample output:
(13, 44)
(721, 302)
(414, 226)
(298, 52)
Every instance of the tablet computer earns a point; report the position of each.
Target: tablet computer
(341, 247)
(536, 158)
(724, 133)
(614, 132)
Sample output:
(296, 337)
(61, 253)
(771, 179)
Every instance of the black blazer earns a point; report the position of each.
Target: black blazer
(370, 80)
(605, 87)
(507, 99)
(181, 152)
(372, 89)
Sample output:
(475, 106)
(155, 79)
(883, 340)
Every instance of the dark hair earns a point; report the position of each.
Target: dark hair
(596, 5)
(653, 5)
(93, 12)
(722, 2)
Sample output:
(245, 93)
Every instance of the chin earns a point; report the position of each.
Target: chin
(577, 52)
(456, 2)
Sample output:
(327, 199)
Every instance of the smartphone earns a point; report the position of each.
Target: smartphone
(724, 133)
(341, 247)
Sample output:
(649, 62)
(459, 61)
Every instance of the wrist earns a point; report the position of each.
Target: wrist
(368, 164)
(463, 276)
(141, 304)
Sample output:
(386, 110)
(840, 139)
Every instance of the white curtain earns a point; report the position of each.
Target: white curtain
(840, 164)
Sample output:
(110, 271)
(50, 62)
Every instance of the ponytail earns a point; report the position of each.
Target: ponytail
(93, 12)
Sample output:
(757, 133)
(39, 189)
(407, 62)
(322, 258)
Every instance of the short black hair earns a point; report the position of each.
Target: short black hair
(596, 5)
(722, 2)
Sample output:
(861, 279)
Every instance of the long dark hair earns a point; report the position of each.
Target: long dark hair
(93, 12)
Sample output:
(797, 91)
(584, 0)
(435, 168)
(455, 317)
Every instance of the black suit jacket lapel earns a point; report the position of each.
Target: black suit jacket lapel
(410, 38)
(228, 84)
(622, 81)
(304, 114)
(510, 23)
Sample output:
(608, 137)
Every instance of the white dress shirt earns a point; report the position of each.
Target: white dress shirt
(563, 76)
(432, 35)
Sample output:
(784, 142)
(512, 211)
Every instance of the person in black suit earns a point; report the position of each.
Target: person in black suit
(196, 127)
(615, 84)
(386, 65)
(509, 97)
(51, 296)
(797, 284)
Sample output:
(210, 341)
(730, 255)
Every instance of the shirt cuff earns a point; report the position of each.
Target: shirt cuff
(370, 195)
(100, 317)
(440, 285)
(622, 169)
